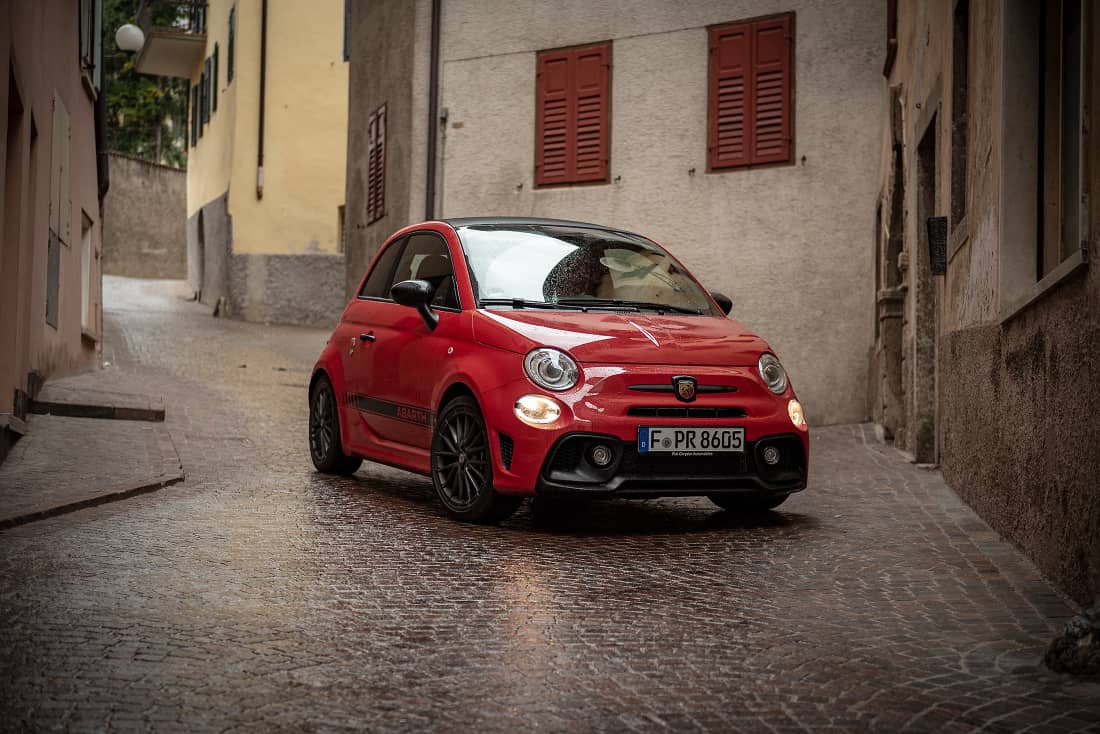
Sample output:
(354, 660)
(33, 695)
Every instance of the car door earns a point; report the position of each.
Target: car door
(356, 337)
(405, 360)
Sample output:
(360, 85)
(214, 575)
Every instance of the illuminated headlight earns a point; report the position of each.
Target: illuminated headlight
(537, 410)
(551, 369)
(772, 373)
(794, 410)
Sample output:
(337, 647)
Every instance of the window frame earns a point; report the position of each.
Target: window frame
(402, 242)
(398, 244)
(713, 31)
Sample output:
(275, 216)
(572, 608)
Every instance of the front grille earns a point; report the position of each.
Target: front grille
(644, 411)
(567, 456)
(507, 447)
(664, 465)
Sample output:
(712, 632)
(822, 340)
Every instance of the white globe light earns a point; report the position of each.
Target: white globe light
(129, 37)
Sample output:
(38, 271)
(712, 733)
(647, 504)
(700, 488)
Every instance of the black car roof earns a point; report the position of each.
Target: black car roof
(520, 221)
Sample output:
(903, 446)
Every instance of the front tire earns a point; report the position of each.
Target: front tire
(326, 446)
(462, 470)
(748, 504)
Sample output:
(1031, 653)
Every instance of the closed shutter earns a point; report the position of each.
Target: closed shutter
(730, 98)
(214, 83)
(750, 93)
(771, 141)
(376, 164)
(572, 130)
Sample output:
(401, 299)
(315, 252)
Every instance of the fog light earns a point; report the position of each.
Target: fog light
(794, 410)
(601, 455)
(771, 456)
(537, 410)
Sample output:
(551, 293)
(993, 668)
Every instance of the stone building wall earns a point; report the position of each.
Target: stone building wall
(144, 229)
(995, 376)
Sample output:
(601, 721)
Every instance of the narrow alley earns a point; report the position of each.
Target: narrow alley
(258, 595)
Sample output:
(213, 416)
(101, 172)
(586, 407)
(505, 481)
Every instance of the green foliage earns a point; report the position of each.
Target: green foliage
(146, 115)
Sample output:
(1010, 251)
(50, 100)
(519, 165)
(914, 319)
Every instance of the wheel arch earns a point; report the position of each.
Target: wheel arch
(454, 390)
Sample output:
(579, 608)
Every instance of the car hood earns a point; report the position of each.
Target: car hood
(627, 338)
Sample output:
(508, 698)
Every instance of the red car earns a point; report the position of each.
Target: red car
(508, 358)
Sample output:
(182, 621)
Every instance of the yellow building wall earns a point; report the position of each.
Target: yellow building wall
(210, 161)
(305, 127)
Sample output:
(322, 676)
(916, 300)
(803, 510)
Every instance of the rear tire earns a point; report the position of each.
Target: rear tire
(462, 468)
(748, 503)
(326, 446)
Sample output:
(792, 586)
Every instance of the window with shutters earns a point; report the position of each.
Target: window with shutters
(572, 115)
(232, 45)
(195, 123)
(376, 165)
(751, 93)
(214, 83)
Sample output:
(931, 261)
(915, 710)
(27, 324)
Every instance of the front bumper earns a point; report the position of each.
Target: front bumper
(567, 470)
(552, 460)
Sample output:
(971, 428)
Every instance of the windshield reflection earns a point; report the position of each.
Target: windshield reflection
(576, 266)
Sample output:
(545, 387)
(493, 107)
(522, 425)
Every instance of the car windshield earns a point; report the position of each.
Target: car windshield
(566, 266)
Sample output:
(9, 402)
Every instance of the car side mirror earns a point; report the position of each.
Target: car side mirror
(417, 294)
(723, 302)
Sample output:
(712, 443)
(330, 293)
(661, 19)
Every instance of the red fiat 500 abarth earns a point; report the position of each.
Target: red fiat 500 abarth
(508, 358)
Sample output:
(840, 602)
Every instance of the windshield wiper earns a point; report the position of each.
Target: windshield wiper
(619, 303)
(524, 303)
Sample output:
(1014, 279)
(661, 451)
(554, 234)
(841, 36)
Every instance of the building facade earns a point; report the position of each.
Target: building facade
(987, 339)
(265, 165)
(50, 197)
(741, 134)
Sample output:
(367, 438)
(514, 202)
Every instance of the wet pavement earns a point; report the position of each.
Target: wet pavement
(258, 595)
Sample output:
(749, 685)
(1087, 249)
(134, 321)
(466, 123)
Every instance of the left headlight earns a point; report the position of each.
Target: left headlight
(551, 369)
(772, 373)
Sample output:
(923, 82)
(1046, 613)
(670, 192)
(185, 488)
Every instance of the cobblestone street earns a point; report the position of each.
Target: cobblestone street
(258, 595)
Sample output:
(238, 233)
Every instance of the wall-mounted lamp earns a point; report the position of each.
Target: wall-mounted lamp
(129, 37)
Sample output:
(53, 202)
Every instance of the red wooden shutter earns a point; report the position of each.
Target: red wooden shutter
(730, 97)
(591, 113)
(771, 139)
(376, 164)
(553, 162)
(572, 130)
(750, 93)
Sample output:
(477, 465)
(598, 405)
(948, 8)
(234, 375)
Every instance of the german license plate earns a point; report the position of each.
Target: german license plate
(689, 440)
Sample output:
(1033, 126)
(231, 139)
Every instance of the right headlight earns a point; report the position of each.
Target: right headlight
(551, 369)
(772, 373)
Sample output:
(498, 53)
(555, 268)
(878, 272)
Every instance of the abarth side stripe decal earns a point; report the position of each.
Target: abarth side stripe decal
(398, 411)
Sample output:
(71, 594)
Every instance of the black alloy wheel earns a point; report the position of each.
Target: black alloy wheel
(325, 446)
(462, 471)
(748, 504)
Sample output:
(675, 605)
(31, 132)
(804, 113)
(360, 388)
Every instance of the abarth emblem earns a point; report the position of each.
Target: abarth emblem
(685, 388)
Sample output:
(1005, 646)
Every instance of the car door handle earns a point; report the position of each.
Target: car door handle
(366, 337)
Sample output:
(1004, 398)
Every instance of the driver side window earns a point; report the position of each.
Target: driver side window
(426, 257)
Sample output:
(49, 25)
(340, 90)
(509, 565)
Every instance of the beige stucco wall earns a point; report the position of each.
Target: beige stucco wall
(38, 50)
(792, 245)
(305, 128)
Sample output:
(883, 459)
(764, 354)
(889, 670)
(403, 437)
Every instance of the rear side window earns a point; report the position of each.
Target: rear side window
(427, 258)
(381, 277)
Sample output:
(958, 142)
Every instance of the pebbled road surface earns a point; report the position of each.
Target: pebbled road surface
(260, 596)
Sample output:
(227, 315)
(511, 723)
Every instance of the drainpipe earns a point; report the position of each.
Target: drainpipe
(433, 114)
(263, 92)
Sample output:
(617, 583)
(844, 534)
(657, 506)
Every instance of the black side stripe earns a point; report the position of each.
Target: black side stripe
(398, 411)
